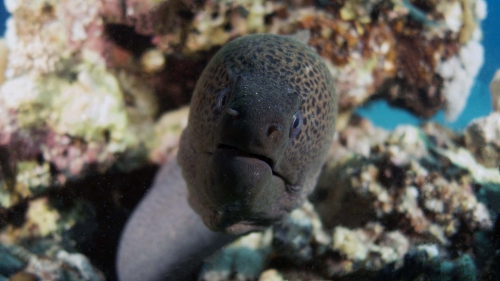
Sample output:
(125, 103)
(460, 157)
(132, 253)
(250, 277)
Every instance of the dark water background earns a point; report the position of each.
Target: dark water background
(479, 103)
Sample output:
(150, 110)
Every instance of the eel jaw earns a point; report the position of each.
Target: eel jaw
(268, 160)
(239, 192)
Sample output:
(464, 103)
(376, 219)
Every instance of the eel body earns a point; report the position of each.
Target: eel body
(165, 239)
(261, 121)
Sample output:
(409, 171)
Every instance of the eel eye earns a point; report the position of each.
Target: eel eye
(296, 124)
(222, 99)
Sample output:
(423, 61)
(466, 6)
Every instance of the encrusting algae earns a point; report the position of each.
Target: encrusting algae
(80, 106)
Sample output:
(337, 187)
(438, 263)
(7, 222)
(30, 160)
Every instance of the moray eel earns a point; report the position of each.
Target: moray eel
(262, 118)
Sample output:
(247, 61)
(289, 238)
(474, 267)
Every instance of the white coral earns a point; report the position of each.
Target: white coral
(495, 91)
(459, 73)
(481, 9)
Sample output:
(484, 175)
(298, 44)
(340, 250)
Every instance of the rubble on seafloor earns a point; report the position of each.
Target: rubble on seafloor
(83, 123)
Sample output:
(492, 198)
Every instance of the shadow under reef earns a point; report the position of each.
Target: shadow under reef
(104, 200)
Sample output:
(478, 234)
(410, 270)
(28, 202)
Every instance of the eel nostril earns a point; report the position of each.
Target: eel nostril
(233, 113)
(273, 128)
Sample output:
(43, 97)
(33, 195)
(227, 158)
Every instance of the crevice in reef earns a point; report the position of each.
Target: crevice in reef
(175, 85)
(113, 197)
(126, 37)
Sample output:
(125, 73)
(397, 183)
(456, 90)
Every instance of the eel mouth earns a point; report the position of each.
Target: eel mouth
(266, 159)
(269, 161)
(241, 191)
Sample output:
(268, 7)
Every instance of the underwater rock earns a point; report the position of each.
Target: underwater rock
(493, 271)
(292, 238)
(369, 248)
(271, 275)
(167, 131)
(62, 106)
(299, 239)
(152, 61)
(488, 179)
(49, 218)
(398, 183)
(32, 178)
(73, 27)
(43, 244)
(10, 263)
(424, 262)
(20, 264)
(243, 259)
(459, 70)
(482, 138)
(442, 137)
(495, 91)
(458, 73)
(4, 52)
(71, 124)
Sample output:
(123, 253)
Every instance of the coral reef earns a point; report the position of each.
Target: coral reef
(495, 91)
(406, 205)
(83, 123)
(242, 260)
(21, 264)
(425, 263)
(86, 98)
(399, 182)
(482, 138)
(458, 71)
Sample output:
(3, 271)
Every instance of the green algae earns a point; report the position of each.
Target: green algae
(31, 179)
(86, 103)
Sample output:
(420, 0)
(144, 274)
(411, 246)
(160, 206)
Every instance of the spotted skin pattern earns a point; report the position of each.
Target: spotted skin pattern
(270, 78)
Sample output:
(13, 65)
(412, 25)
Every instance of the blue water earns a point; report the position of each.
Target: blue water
(479, 103)
(3, 17)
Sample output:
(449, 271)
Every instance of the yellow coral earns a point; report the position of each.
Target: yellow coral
(91, 107)
(349, 243)
(41, 216)
(271, 275)
(31, 176)
(43, 36)
(208, 28)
